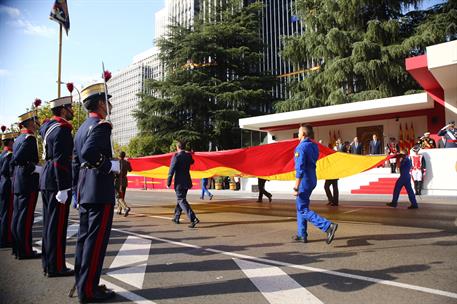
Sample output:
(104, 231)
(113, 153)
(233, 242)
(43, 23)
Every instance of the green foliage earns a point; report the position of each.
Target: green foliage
(212, 81)
(361, 47)
(146, 144)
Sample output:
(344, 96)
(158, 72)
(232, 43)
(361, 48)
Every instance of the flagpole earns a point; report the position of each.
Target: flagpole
(60, 61)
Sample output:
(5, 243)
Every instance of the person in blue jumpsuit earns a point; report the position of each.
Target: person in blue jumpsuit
(55, 186)
(93, 181)
(6, 190)
(404, 162)
(306, 155)
(25, 186)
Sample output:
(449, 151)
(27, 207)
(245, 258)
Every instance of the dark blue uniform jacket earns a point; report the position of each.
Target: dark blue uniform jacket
(57, 171)
(93, 180)
(25, 157)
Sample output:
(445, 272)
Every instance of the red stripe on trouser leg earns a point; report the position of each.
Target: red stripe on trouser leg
(96, 253)
(60, 229)
(9, 217)
(28, 223)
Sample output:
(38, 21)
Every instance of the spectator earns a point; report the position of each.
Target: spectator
(375, 146)
(356, 147)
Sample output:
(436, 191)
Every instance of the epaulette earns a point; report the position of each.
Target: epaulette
(29, 135)
(104, 121)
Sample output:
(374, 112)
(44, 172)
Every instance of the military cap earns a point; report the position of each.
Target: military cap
(61, 101)
(92, 93)
(426, 133)
(10, 135)
(28, 115)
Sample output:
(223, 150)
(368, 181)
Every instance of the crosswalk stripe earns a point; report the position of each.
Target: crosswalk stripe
(37, 219)
(131, 261)
(275, 285)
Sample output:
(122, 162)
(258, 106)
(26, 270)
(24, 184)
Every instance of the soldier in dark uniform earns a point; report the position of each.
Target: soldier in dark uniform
(25, 186)
(55, 186)
(6, 190)
(93, 181)
(180, 169)
(450, 134)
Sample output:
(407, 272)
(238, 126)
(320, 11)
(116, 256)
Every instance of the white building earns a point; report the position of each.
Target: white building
(435, 71)
(124, 87)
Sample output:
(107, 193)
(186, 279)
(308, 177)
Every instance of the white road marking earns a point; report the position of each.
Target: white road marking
(301, 267)
(275, 285)
(72, 230)
(131, 260)
(350, 211)
(37, 219)
(119, 290)
(126, 294)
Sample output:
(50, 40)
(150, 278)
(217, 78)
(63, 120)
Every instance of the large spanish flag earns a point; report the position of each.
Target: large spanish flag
(273, 162)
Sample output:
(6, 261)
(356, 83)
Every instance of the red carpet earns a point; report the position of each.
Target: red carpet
(383, 185)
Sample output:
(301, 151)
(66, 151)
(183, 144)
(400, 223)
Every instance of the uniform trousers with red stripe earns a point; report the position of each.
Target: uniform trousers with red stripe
(94, 230)
(6, 217)
(55, 223)
(23, 215)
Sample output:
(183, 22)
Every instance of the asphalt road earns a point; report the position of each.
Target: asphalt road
(242, 252)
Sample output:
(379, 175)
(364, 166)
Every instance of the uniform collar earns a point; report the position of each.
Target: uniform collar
(63, 122)
(26, 131)
(95, 115)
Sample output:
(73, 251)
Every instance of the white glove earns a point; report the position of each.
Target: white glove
(62, 196)
(38, 169)
(115, 166)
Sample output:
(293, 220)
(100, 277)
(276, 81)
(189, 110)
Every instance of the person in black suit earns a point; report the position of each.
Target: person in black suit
(375, 146)
(356, 147)
(180, 169)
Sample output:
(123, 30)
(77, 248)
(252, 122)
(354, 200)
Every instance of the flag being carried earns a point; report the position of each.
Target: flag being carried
(59, 13)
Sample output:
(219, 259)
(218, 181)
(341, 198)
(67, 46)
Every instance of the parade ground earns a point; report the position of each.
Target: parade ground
(242, 252)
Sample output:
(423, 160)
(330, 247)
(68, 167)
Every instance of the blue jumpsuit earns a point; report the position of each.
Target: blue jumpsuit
(306, 155)
(404, 181)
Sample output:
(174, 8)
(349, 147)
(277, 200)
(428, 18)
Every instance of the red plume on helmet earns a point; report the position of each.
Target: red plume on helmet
(37, 102)
(106, 75)
(3, 129)
(70, 87)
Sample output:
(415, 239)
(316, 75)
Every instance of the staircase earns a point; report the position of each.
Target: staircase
(384, 185)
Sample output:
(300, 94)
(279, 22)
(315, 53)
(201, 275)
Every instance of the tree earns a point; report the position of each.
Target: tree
(361, 47)
(212, 80)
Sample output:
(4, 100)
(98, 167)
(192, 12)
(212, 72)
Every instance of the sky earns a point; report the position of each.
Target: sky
(100, 30)
(112, 31)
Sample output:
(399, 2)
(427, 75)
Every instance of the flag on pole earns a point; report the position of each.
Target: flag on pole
(407, 141)
(400, 138)
(59, 13)
(413, 136)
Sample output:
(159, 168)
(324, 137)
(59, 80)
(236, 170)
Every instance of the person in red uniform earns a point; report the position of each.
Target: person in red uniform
(418, 169)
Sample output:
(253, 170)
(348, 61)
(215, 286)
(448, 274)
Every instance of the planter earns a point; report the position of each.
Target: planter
(218, 185)
(232, 186)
